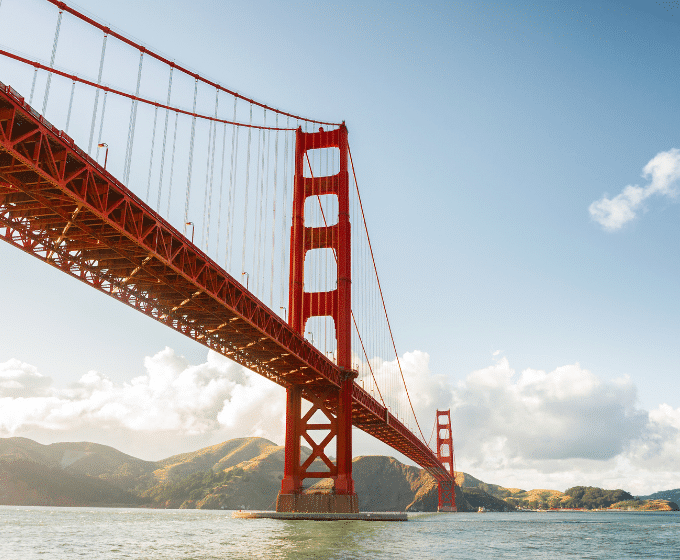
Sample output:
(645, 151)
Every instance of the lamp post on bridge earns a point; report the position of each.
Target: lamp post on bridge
(106, 155)
(247, 278)
(192, 229)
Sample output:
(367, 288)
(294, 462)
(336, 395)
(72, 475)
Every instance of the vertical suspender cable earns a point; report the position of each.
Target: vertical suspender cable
(191, 157)
(245, 210)
(212, 174)
(153, 142)
(266, 217)
(35, 75)
(205, 191)
(133, 122)
(228, 252)
(261, 174)
(165, 136)
(96, 95)
(285, 206)
(219, 212)
(210, 167)
(101, 124)
(258, 216)
(70, 106)
(276, 168)
(172, 165)
(54, 54)
(237, 131)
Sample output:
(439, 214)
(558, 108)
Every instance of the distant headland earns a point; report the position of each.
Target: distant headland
(245, 473)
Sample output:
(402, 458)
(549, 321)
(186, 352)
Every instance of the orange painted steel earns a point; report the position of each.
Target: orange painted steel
(447, 488)
(336, 405)
(59, 205)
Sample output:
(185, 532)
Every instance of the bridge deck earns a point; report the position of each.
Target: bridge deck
(58, 204)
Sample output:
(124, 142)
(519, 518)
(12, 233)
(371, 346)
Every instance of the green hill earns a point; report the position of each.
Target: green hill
(246, 473)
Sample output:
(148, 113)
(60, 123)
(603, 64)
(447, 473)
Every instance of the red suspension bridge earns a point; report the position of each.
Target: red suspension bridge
(219, 178)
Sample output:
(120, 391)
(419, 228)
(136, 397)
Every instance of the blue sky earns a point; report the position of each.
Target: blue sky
(482, 133)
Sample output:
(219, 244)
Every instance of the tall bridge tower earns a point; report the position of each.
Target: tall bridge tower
(336, 406)
(447, 488)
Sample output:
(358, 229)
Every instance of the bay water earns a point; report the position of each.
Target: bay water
(68, 533)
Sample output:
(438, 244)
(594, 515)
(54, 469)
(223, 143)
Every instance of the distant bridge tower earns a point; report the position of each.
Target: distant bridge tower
(336, 405)
(447, 489)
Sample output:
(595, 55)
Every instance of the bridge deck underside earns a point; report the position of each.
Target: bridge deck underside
(59, 205)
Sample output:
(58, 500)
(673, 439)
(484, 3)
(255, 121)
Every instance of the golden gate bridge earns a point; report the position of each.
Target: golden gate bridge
(153, 175)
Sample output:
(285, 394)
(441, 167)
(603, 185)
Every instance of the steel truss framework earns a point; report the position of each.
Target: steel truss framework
(59, 205)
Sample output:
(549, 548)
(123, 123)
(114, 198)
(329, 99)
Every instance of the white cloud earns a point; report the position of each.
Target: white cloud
(565, 414)
(527, 429)
(170, 409)
(20, 379)
(538, 429)
(662, 171)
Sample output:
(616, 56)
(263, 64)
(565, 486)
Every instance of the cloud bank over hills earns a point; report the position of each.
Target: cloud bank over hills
(522, 429)
(174, 407)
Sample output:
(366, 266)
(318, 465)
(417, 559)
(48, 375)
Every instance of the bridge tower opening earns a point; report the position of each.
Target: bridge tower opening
(334, 406)
(447, 489)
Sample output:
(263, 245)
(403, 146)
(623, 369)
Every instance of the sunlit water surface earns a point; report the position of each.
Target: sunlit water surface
(67, 533)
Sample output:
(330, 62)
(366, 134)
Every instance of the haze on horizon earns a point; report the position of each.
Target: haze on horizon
(519, 164)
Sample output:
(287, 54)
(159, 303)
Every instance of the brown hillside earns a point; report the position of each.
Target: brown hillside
(103, 462)
(24, 448)
(236, 474)
(216, 458)
(81, 458)
(24, 482)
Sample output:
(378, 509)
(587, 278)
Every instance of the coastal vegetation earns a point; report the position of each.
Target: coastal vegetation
(246, 473)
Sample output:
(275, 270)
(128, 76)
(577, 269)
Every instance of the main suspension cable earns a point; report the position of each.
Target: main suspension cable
(108, 31)
(382, 299)
(135, 98)
(368, 362)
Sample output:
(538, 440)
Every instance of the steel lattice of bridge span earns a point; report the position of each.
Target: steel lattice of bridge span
(60, 205)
